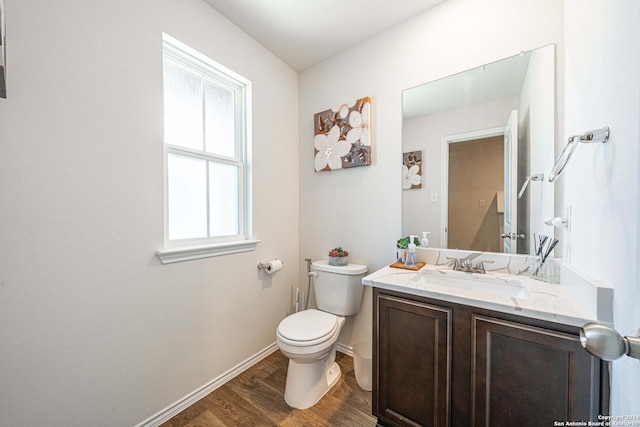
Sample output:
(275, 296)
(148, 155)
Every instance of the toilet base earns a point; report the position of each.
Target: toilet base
(308, 382)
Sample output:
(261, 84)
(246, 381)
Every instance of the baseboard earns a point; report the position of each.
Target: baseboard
(198, 394)
(342, 348)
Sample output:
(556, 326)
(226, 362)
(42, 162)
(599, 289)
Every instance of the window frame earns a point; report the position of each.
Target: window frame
(193, 248)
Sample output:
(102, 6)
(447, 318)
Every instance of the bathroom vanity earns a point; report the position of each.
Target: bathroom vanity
(460, 349)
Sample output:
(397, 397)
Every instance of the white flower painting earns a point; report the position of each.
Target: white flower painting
(330, 149)
(342, 136)
(412, 170)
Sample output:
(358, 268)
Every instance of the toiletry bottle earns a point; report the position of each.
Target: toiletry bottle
(412, 256)
(425, 241)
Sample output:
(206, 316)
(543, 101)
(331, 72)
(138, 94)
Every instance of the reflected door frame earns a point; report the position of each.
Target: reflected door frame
(444, 191)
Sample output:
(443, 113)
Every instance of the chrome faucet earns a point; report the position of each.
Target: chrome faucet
(479, 268)
(455, 263)
(459, 264)
(464, 265)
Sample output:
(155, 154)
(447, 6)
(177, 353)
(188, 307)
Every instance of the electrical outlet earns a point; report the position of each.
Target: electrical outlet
(483, 203)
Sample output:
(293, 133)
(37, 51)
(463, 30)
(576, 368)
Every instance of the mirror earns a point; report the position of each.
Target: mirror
(471, 142)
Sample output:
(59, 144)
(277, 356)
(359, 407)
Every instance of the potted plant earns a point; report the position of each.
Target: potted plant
(338, 256)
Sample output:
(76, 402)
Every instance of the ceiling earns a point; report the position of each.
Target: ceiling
(306, 32)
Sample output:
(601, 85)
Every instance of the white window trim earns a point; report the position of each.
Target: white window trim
(188, 253)
(191, 249)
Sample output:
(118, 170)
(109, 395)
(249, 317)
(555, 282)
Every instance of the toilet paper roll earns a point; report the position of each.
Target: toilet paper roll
(273, 266)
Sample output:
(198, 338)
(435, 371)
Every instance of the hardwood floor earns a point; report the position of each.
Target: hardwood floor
(255, 398)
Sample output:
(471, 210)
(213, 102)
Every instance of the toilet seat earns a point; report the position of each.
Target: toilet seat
(307, 328)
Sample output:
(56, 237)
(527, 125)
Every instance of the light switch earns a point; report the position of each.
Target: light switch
(482, 203)
(434, 197)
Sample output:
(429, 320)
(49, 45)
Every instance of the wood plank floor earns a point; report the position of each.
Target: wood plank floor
(255, 398)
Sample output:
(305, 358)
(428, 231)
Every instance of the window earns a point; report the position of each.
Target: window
(206, 122)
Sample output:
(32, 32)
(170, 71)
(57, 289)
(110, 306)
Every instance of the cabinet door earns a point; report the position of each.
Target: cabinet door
(528, 376)
(413, 363)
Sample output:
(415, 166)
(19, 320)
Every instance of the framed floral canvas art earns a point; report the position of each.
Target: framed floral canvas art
(411, 170)
(342, 136)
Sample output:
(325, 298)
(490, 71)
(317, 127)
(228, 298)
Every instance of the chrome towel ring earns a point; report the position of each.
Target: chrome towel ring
(535, 177)
(597, 135)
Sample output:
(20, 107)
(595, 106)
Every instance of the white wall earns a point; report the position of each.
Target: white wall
(602, 181)
(93, 330)
(361, 208)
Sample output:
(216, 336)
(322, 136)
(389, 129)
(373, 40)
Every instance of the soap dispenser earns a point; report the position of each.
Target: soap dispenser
(425, 241)
(412, 256)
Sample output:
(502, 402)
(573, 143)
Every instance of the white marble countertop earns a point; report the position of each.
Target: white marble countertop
(550, 302)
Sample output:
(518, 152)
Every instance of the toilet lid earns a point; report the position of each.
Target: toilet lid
(308, 325)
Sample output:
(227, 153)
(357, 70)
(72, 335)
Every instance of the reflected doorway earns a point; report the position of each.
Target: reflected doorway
(475, 194)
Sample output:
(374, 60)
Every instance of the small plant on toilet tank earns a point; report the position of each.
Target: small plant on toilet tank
(338, 256)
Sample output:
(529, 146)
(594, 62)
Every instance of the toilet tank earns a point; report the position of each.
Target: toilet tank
(338, 289)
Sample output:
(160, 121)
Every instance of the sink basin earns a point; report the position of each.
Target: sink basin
(444, 281)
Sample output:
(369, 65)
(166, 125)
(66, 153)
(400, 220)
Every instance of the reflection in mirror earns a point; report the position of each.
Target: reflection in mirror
(483, 134)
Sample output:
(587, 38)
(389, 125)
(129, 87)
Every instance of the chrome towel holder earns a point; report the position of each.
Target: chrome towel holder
(535, 177)
(596, 135)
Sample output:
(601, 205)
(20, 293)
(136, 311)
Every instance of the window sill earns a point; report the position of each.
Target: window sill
(168, 256)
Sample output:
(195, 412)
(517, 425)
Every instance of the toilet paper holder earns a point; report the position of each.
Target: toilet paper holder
(270, 266)
(262, 265)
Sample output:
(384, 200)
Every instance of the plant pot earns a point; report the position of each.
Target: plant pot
(338, 260)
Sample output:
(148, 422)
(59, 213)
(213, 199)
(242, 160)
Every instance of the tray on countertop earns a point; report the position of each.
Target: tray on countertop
(399, 264)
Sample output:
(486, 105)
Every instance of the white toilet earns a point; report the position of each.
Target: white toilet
(308, 338)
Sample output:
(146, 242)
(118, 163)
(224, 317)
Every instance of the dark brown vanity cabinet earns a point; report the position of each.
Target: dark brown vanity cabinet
(413, 352)
(444, 364)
